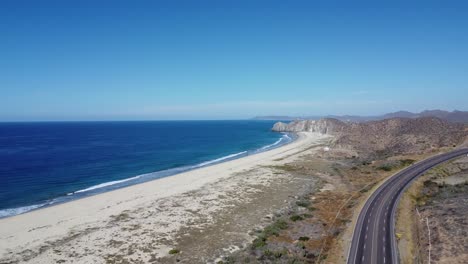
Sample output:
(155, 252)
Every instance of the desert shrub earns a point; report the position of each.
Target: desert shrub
(295, 218)
(174, 251)
(407, 162)
(275, 228)
(259, 242)
(271, 230)
(303, 203)
(385, 168)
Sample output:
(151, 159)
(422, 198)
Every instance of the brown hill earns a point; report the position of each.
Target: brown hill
(395, 135)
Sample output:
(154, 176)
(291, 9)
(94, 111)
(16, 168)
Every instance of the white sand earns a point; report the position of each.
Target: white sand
(91, 223)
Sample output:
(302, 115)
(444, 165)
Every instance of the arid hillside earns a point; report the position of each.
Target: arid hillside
(392, 136)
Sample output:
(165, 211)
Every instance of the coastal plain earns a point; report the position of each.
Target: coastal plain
(193, 217)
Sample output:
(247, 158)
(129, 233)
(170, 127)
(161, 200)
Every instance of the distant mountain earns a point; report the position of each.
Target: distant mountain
(398, 114)
(455, 116)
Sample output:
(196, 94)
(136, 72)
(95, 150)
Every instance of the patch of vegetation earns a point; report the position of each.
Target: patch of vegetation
(303, 203)
(275, 228)
(385, 167)
(285, 167)
(227, 260)
(364, 190)
(301, 245)
(259, 242)
(307, 215)
(174, 251)
(407, 162)
(295, 218)
(271, 230)
(304, 238)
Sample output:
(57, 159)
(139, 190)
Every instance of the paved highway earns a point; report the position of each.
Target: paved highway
(374, 237)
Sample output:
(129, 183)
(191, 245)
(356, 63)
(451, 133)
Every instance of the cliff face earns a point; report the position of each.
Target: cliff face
(324, 126)
(397, 135)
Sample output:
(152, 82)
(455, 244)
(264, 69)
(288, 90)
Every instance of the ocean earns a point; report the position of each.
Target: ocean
(45, 163)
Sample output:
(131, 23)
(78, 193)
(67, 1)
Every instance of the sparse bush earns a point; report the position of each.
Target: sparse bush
(275, 228)
(259, 242)
(304, 238)
(385, 168)
(267, 253)
(271, 230)
(279, 254)
(301, 245)
(174, 251)
(295, 218)
(303, 203)
(406, 162)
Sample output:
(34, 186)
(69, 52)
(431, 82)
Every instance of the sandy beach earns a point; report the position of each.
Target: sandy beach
(142, 223)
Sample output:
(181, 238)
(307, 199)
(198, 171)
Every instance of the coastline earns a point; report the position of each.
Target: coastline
(35, 235)
(112, 185)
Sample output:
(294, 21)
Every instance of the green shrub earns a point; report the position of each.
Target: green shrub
(407, 162)
(385, 168)
(259, 242)
(295, 218)
(174, 251)
(303, 203)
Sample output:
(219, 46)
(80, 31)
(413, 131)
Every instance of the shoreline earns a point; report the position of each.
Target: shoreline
(97, 216)
(142, 178)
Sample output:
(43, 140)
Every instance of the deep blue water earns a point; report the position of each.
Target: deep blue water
(51, 162)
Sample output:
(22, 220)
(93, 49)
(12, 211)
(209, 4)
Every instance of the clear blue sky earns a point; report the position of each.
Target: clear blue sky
(111, 60)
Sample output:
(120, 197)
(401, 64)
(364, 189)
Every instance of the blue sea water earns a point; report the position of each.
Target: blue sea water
(45, 163)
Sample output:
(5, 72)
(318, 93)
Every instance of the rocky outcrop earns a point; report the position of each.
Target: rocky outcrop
(323, 126)
(394, 135)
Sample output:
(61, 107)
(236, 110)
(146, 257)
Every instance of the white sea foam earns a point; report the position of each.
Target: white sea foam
(284, 137)
(220, 159)
(19, 210)
(106, 184)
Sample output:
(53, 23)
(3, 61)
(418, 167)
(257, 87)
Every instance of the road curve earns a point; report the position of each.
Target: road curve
(373, 239)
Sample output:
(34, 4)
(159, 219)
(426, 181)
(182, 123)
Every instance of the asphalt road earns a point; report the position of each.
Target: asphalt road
(374, 238)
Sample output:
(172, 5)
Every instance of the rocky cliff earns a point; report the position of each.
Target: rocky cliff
(324, 126)
(396, 135)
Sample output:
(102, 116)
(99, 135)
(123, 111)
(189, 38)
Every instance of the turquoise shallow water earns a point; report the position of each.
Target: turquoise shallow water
(48, 163)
